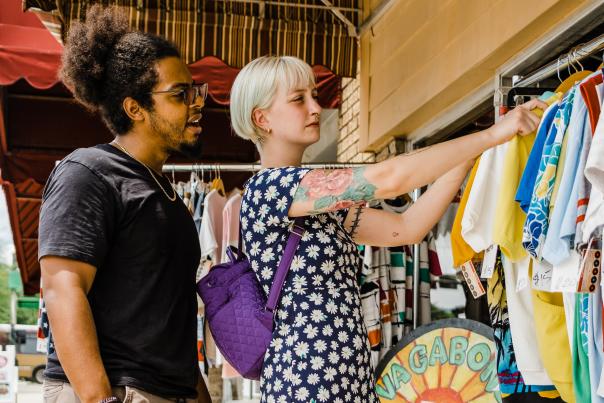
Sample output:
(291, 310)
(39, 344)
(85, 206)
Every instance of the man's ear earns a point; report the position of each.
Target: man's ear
(133, 109)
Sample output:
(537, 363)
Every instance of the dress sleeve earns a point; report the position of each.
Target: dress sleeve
(268, 197)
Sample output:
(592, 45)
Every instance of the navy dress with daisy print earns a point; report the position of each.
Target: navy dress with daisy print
(320, 349)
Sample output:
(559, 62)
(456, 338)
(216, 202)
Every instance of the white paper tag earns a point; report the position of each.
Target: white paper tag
(488, 264)
(566, 274)
(523, 279)
(472, 279)
(542, 275)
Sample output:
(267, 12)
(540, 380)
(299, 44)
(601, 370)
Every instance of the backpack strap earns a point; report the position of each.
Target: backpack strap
(286, 260)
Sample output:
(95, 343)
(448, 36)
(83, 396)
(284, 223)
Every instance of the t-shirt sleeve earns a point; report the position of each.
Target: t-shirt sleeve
(77, 215)
(269, 196)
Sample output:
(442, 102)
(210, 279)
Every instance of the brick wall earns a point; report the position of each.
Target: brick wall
(348, 124)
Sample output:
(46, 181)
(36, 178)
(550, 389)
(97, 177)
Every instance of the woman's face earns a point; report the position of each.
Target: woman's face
(294, 116)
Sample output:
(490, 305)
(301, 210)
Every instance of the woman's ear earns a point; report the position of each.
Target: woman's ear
(260, 120)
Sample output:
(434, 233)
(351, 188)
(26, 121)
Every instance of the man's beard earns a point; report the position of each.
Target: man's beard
(167, 130)
(191, 150)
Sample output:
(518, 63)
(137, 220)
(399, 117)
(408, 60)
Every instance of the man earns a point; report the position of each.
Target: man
(118, 249)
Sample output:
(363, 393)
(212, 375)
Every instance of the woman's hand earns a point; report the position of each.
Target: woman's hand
(520, 121)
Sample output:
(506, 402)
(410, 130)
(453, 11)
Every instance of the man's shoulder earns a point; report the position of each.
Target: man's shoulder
(94, 158)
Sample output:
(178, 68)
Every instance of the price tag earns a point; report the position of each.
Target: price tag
(490, 258)
(566, 274)
(542, 276)
(472, 279)
(591, 268)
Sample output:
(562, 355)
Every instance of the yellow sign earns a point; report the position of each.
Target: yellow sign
(448, 361)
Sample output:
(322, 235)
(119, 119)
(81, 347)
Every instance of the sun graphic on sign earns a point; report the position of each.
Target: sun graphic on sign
(450, 361)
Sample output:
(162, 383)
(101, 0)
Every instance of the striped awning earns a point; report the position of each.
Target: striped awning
(320, 32)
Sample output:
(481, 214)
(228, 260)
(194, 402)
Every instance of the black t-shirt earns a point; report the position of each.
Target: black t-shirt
(102, 207)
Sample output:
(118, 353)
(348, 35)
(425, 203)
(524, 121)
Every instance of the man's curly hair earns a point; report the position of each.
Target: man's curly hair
(104, 61)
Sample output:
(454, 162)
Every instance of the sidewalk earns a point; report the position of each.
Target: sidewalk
(29, 392)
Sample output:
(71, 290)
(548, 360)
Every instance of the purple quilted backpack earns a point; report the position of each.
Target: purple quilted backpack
(238, 312)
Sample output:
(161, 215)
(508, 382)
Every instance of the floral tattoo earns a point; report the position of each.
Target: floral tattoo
(337, 189)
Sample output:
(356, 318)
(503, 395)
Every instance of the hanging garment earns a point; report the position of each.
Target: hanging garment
(552, 340)
(558, 242)
(230, 223)
(522, 325)
(510, 378)
(529, 176)
(594, 173)
(210, 233)
(462, 252)
(510, 218)
(479, 214)
(581, 377)
(537, 218)
(592, 91)
(595, 347)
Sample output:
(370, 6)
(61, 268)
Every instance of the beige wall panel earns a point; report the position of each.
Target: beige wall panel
(426, 55)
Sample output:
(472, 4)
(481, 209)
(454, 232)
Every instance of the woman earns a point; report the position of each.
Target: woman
(320, 351)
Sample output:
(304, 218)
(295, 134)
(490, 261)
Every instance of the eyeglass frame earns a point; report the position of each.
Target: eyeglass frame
(195, 86)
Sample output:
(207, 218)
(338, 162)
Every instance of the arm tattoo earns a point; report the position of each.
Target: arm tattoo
(336, 189)
(356, 221)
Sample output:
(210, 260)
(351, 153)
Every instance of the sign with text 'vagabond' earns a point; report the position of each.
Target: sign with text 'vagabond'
(447, 361)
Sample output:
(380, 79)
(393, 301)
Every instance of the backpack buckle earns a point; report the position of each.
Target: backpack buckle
(298, 230)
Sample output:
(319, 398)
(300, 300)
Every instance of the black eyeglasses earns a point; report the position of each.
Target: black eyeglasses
(188, 95)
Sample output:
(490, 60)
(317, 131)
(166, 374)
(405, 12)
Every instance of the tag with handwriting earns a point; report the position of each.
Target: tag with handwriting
(566, 274)
(488, 264)
(523, 279)
(542, 276)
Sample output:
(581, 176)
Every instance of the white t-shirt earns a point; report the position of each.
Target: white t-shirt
(210, 233)
(594, 172)
(479, 216)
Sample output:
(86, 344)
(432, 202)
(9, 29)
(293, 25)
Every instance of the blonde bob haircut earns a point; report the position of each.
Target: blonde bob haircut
(256, 86)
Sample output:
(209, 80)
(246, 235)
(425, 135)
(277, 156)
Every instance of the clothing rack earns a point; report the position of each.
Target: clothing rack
(251, 167)
(577, 53)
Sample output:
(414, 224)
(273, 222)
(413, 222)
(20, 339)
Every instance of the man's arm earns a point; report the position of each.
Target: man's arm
(66, 283)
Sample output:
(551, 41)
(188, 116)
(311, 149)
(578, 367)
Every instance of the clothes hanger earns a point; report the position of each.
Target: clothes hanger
(573, 78)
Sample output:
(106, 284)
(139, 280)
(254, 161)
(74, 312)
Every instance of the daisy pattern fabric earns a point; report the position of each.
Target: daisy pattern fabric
(320, 348)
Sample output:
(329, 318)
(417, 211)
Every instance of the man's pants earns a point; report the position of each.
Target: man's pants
(62, 392)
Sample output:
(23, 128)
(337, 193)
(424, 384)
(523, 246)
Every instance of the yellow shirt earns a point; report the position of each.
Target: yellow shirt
(509, 220)
(462, 252)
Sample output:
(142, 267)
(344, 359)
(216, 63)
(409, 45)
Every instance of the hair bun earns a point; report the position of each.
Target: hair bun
(88, 48)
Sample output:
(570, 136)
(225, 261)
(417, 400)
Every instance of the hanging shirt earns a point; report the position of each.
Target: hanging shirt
(230, 224)
(557, 245)
(591, 90)
(537, 218)
(581, 378)
(462, 252)
(529, 176)
(210, 233)
(522, 326)
(479, 215)
(594, 173)
(510, 378)
(510, 218)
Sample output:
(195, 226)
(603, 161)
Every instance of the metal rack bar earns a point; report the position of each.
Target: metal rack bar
(416, 280)
(248, 167)
(577, 53)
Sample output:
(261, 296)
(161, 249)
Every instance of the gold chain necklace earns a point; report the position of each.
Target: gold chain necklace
(171, 198)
